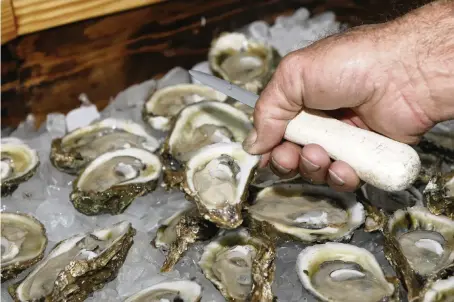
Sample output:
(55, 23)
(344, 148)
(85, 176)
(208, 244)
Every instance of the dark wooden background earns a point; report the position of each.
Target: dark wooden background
(46, 71)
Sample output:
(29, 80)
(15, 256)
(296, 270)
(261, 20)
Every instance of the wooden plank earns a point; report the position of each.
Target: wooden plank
(36, 15)
(9, 30)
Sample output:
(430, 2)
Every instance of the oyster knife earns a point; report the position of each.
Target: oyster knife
(378, 160)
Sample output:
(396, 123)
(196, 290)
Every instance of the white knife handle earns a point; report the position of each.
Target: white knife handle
(378, 160)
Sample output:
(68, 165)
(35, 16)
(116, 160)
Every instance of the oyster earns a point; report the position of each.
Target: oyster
(77, 266)
(179, 231)
(165, 103)
(241, 266)
(113, 180)
(177, 291)
(420, 246)
(439, 291)
(19, 163)
(24, 241)
(430, 165)
(75, 150)
(217, 179)
(392, 201)
(265, 177)
(439, 143)
(242, 61)
(308, 213)
(343, 272)
(439, 194)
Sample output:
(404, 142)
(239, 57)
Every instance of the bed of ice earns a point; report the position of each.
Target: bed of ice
(46, 195)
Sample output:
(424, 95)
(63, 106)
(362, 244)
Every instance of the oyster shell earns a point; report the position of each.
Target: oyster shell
(242, 61)
(430, 165)
(439, 291)
(167, 102)
(19, 163)
(177, 291)
(241, 266)
(24, 241)
(308, 213)
(343, 272)
(77, 266)
(265, 178)
(420, 246)
(75, 150)
(439, 143)
(113, 180)
(392, 201)
(217, 178)
(179, 231)
(439, 194)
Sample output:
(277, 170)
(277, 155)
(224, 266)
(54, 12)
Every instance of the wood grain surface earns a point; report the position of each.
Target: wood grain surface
(46, 71)
(9, 30)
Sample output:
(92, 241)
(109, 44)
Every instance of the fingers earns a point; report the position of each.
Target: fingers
(280, 101)
(314, 163)
(285, 159)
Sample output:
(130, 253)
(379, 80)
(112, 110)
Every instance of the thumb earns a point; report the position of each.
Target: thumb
(280, 102)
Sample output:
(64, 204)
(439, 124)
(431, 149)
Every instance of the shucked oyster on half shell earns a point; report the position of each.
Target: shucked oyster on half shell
(308, 213)
(179, 231)
(420, 246)
(439, 194)
(217, 179)
(441, 290)
(199, 125)
(19, 163)
(165, 103)
(23, 240)
(77, 266)
(113, 180)
(171, 291)
(242, 61)
(345, 273)
(75, 150)
(241, 266)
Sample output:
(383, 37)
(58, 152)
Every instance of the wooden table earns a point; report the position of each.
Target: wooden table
(45, 71)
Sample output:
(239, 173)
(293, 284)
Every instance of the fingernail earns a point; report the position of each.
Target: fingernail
(278, 169)
(250, 140)
(308, 165)
(335, 178)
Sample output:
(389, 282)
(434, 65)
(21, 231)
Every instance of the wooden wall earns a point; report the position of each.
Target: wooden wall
(45, 71)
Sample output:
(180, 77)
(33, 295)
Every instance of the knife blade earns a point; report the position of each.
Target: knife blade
(378, 160)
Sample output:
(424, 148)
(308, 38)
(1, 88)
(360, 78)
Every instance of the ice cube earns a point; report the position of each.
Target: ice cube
(259, 30)
(175, 76)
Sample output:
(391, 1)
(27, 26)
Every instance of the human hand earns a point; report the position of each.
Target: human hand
(394, 78)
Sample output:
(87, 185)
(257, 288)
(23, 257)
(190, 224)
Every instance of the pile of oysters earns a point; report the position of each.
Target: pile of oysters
(239, 211)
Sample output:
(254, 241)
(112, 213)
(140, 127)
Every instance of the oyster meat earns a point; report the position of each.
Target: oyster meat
(439, 194)
(113, 180)
(241, 266)
(176, 291)
(179, 231)
(343, 272)
(19, 163)
(24, 241)
(217, 179)
(242, 61)
(75, 150)
(308, 213)
(165, 103)
(420, 246)
(77, 266)
(441, 290)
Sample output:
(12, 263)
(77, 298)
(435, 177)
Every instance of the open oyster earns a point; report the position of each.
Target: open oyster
(24, 241)
(199, 125)
(241, 266)
(343, 272)
(75, 150)
(77, 266)
(113, 180)
(177, 291)
(165, 103)
(242, 61)
(179, 231)
(217, 178)
(19, 163)
(439, 194)
(307, 212)
(441, 290)
(420, 246)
